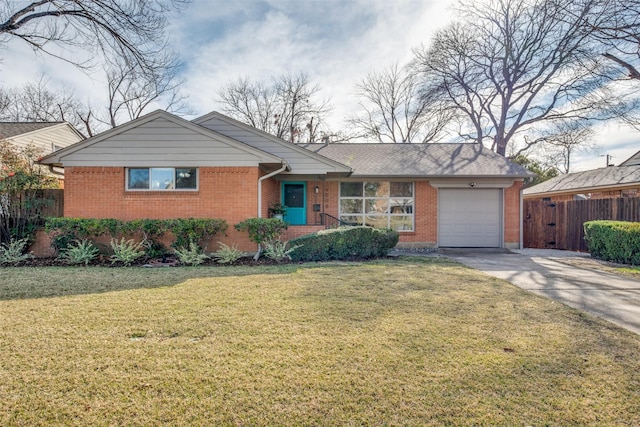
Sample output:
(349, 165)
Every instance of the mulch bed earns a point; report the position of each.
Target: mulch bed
(103, 261)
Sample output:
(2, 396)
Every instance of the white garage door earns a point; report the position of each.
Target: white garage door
(469, 218)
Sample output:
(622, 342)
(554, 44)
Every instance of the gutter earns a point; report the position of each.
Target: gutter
(284, 167)
(55, 172)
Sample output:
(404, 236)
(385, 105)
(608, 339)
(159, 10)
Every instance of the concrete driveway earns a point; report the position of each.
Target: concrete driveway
(606, 295)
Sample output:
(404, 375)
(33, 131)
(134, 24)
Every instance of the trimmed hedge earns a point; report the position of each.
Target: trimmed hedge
(344, 243)
(615, 241)
(185, 230)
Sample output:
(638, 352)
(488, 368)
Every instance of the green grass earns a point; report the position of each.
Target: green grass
(411, 341)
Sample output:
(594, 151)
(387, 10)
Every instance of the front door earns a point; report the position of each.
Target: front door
(294, 198)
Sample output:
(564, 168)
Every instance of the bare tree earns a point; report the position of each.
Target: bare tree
(509, 65)
(619, 32)
(36, 102)
(131, 30)
(285, 107)
(555, 145)
(395, 110)
(131, 92)
(567, 140)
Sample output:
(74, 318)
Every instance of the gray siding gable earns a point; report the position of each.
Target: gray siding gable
(44, 136)
(301, 160)
(160, 139)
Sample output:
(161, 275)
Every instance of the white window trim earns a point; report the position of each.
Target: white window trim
(388, 215)
(126, 179)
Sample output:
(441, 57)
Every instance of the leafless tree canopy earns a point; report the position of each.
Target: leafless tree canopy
(286, 106)
(556, 145)
(140, 68)
(131, 92)
(509, 65)
(36, 102)
(130, 30)
(394, 110)
(619, 33)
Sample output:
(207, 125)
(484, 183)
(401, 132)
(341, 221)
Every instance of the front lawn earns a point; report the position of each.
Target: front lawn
(411, 341)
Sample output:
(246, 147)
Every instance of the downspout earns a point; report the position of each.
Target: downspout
(284, 167)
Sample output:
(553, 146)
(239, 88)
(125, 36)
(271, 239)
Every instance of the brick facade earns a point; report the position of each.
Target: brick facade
(512, 221)
(231, 193)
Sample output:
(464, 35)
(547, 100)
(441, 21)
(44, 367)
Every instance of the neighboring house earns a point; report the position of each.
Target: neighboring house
(632, 161)
(162, 166)
(603, 183)
(46, 137)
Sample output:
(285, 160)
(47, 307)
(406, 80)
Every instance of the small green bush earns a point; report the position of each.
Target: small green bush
(126, 251)
(228, 254)
(80, 252)
(357, 242)
(193, 255)
(66, 231)
(262, 231)
(196, 230)
(615, 241)
(13, 252)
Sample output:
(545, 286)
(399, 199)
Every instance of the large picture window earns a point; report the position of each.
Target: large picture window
(378, 204)
(162, 179)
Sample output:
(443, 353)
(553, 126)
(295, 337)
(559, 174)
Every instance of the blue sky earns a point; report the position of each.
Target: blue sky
(336, 42)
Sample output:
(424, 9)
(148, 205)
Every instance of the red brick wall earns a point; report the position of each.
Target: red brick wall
(512, 221)
(229, 193)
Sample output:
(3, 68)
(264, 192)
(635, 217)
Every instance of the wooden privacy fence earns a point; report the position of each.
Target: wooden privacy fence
(55, 202)
(559, 225)
(54, 208)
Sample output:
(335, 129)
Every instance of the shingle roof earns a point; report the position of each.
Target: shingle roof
(9, 129)
(588, 180)
(424, 160)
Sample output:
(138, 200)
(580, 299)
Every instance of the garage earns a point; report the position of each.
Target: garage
(470, 217)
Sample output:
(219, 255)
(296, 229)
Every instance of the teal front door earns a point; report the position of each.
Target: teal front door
(294, 198)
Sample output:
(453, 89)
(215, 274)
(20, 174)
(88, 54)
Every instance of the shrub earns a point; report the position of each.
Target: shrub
(82, 252)
(615, 241)
(126, 251)
(13, 252)
(262, 230)
(65, 231)
(227, 254)
(196, 230)
(278, 251)
(148, 231)
(344, 243)
(192, 255)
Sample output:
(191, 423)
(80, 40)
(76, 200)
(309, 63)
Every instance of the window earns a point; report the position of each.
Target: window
(162, 179)
(378, 204)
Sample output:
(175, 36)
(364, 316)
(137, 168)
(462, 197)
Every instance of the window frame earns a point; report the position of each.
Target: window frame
(387, 200)
(149, 168)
